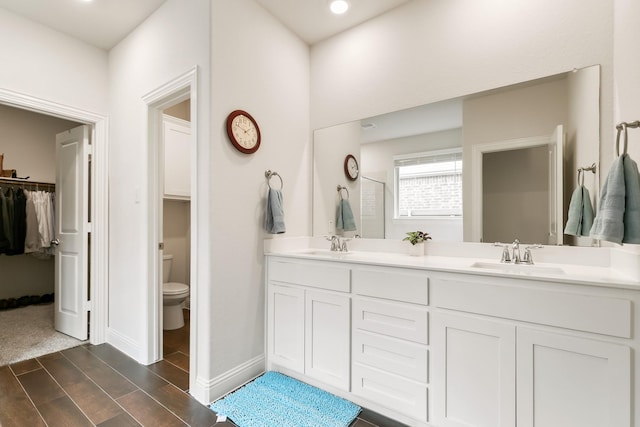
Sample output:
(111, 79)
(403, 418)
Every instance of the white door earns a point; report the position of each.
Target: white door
(71, 225)
(571, 381)
(474, 369)
(327, 338)
(286, 327)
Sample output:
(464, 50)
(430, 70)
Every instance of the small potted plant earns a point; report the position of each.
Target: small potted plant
(417, 239)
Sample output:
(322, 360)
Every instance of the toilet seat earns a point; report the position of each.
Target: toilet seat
(174, 288)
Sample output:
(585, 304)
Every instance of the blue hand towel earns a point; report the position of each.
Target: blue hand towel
(274, 215)
(631, 218)
(344, 217)
(580, 217)
(608, 224)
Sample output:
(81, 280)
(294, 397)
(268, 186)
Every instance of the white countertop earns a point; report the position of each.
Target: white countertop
(587, 266)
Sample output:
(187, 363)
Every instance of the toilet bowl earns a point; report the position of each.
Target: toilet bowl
(173, 295)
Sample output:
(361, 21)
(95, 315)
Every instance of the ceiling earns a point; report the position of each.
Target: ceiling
(102, 23)
(312, 21)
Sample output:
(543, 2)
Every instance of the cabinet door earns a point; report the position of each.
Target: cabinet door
(473, 372)
(177, 149)
(569, 381)
(285, 322)
(327, 346)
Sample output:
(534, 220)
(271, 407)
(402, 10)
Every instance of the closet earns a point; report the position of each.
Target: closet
(28, 145)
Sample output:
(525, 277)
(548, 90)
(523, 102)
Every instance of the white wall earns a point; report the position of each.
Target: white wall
(261, 67)
(627, 69)
(46, 64)
(505, 116)
(176, 235)
(427, 51)
(168, 44)
(378, 163)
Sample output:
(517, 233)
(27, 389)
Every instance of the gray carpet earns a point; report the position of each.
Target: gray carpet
(28, 332)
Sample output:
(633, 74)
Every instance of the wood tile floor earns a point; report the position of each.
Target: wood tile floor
(100, 386)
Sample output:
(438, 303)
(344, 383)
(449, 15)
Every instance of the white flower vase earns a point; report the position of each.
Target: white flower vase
(417, 249)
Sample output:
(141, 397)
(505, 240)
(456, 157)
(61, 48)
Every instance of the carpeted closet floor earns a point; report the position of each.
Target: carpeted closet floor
(28, 332)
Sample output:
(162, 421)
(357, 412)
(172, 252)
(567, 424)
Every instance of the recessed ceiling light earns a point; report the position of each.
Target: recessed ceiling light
(339, 7)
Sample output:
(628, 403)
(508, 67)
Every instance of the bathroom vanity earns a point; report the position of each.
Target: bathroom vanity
(456, 340)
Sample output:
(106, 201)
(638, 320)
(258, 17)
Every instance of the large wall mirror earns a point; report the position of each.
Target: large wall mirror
(416, 166)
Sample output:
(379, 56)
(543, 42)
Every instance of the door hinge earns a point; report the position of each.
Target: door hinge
(161, 246)
(89, 227)
(88, 305)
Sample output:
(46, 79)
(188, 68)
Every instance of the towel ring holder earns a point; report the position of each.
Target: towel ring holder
(340, 188)
(269, 174)
(623, 127)
(582, 170)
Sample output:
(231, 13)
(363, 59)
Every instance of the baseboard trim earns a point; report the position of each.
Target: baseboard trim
(206, 391)
(125, 344)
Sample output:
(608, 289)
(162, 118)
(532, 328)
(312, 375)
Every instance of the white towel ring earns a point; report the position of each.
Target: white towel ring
(268, 174)
(340, 188)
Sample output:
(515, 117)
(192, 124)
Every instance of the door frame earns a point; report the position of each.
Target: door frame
(479, 150)
(179, 89)
(99, 227)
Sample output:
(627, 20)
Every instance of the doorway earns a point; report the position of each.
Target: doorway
(69, 117)
(178, 92)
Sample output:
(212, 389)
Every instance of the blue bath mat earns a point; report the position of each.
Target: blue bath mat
(274, 399)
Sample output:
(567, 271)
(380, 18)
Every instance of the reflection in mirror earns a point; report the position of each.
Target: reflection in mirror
(383, 144)
(521, 198)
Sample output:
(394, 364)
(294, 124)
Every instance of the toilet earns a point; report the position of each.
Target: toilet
(173, 295)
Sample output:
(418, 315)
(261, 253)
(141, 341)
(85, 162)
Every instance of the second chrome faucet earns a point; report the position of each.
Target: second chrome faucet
(514, 256)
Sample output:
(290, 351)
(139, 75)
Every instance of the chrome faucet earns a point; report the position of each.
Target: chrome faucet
(516, 251)
(335, 243)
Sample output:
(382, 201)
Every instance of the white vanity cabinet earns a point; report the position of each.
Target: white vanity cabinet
(308, 320)
(510, 352)
(176, 135)
(433, 348)
(390, 338)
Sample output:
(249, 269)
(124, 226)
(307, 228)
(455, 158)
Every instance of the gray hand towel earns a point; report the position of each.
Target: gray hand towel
(631, 219)
(274, 215)
(580, 217)
(344, 217)
(608, 224)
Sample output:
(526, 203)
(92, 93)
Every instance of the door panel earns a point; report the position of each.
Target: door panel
(474, 372)
(71, 216)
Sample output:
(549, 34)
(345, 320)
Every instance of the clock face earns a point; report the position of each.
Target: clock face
(243, 131)
(351, 167)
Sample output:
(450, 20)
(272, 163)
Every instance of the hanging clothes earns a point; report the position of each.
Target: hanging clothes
(19, 222)
(26, 221)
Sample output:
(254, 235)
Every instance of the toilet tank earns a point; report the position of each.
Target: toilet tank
(166, 267)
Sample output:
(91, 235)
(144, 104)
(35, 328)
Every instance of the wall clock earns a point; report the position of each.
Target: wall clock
(243, 131)
(351, 167)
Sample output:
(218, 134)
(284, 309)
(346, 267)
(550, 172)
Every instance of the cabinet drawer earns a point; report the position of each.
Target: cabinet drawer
(324, 276)
(393, 284)
(393, 392)
(588, 313)
(397, 320)
(399, 357)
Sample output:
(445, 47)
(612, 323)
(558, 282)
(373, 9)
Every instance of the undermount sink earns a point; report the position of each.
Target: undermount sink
(518, 268)
(326, 253)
